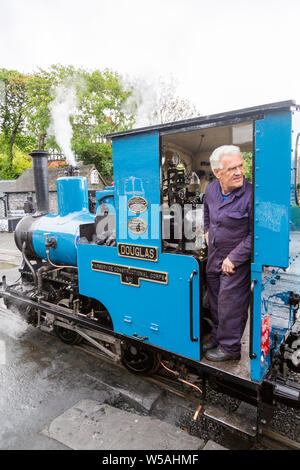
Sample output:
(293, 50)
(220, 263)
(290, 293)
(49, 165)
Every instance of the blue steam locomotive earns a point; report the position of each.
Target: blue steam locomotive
(130, 278)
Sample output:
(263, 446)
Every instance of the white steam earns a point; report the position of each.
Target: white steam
(155, 100)
(11, 323)
(62, 108)
(143, 99)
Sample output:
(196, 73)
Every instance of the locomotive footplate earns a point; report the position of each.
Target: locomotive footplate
(55, 310)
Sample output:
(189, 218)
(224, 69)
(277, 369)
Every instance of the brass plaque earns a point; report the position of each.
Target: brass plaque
(148, 253)
(137, 225)
(129, 275)
(137, 204)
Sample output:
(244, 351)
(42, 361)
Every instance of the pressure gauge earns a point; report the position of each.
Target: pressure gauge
(175, 159)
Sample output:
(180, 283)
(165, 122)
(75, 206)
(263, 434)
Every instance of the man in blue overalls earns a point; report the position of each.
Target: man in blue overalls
(227, 225)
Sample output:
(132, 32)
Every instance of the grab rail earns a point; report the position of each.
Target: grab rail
(252, 355)
(193, 338)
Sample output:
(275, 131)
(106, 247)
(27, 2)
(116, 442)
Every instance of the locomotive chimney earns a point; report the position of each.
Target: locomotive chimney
(72, 171)
(40, 174)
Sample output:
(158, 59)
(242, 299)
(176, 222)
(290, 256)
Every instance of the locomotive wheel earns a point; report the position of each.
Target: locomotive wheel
(139, 360)
(67, 336)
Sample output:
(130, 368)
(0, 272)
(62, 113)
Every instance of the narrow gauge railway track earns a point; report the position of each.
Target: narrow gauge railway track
(268, 439)
(272, 440)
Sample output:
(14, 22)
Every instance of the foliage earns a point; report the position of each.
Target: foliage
(101, 107)
(13, 106)
(100, 112)
(20, 162)
(39, 98)
(25, 113)
(247, 156)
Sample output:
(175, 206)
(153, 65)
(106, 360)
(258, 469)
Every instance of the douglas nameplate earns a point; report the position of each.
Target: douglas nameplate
(148, 253)
(130, 276)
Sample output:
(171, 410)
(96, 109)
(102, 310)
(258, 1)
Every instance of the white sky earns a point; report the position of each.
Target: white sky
(226, 54)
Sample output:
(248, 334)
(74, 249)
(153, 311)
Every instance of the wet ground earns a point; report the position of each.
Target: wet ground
(42, 378)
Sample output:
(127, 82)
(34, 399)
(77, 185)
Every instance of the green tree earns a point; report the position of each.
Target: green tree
(100, 97)
(38, 115)
(41, 91)
(247, 156)
(13, 105)
(20, 162)
(100, 112)
(26, 113)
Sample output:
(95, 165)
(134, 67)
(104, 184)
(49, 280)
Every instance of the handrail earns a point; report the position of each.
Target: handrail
(193, 338)
(252, 355)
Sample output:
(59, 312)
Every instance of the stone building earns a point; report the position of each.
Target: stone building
(14, 193)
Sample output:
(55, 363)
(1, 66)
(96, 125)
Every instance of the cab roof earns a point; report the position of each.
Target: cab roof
(235, 116)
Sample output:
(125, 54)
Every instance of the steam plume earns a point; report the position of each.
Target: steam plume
(62, 108)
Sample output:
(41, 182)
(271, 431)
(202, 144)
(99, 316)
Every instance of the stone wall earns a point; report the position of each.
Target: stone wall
(16, 202)
(2, 209)
(16, 206)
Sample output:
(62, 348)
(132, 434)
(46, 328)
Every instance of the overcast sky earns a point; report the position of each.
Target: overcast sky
(225, 54)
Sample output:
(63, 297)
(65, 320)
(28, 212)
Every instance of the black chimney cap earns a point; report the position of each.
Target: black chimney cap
(35, 153)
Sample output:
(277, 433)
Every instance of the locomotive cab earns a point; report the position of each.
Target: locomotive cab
(160, 176)
(157, 266)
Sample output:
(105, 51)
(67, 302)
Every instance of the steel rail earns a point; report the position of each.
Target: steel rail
(267, 438)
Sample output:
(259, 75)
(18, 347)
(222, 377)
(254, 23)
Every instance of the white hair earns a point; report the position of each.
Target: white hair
(219, 152)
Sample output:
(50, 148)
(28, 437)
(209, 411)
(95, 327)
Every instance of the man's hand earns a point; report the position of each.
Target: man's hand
(206, 238)
(228, 267)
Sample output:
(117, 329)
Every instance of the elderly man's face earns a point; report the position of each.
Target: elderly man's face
(231, 176)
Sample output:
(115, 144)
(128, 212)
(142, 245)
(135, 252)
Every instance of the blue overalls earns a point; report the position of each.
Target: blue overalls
(228, 221)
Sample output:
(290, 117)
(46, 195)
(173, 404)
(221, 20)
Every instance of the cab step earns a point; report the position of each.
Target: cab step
(244, 419)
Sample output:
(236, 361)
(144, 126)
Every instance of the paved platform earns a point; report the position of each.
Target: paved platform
(212, 445)
(95, 426)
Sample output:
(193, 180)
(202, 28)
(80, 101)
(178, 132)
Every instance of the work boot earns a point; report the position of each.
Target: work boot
(218, 355)
(209, 344)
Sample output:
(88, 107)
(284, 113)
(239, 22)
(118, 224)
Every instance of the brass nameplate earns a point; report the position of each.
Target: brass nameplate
(148, 253)
(129, 275)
